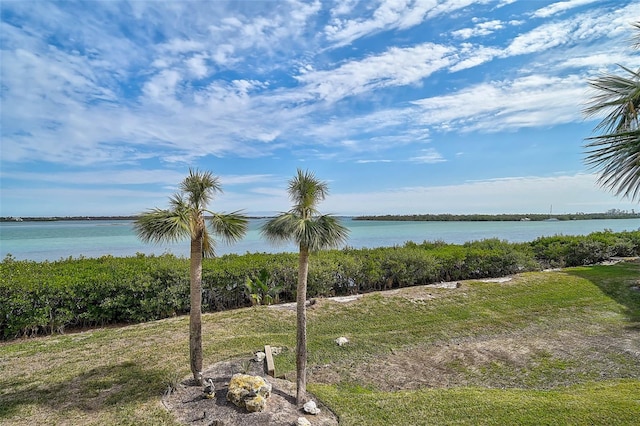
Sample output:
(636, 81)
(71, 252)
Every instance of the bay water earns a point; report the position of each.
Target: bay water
(55, 240)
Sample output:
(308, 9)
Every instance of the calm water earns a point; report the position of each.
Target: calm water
(55, 240)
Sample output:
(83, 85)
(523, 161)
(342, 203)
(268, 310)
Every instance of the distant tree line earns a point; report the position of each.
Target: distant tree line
(611, 214)
(445, 217)
(58, 218)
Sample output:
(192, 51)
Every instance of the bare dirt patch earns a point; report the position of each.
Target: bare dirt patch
(533, 358)
(190, 406)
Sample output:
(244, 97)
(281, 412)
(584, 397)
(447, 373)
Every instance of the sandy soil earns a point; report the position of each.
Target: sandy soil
(191, 407)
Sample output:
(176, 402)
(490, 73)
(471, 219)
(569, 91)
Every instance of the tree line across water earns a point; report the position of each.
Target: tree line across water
(47, 297)
(445, 217)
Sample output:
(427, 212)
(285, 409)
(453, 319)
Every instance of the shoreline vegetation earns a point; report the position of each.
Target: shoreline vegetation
(613, 214)
(444, 217)
(48, 297)
(78, 218)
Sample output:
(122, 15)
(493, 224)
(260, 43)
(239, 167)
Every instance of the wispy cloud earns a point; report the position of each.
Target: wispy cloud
(389, 15)
(479, 30)
(524, 102)
(395, 67)
(372, 161)
(428, 156)
(92, 92)
(559, 7)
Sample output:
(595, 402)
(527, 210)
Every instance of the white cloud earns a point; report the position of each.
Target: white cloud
(600, 61)
(176, 121)
(531, 101)
(223, 54)
(162, 88)
(372, 161)
(395, 67)
(223, 82)
(182, 46)
(559, 7)
(343, 7)
(428, 156)
(541, 38)
(578, 29)
(472, 56)
(481, 29)
(197, 66)
(391, 14)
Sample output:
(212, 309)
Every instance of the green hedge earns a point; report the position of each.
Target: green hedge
(47, 297)
(564, 251)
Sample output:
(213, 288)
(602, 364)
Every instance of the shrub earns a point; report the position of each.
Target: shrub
(47, 297)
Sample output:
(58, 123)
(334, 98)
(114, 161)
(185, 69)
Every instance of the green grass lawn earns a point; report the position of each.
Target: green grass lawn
(544, 348)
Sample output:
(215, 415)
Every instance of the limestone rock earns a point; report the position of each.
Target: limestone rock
(311, 408)
(255, 404)
(250, 392)
(303, 422)
(341, 341)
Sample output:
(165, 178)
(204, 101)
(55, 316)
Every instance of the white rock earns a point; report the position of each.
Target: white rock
(311, 408)
(259, 356)
(303, 422)
(341, 341)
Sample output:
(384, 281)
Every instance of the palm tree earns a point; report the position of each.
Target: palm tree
(186, 219)
(311, 231)
(616, 152)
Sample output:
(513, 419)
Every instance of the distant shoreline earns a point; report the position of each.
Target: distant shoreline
(499, 217)
(407, 218)
(61, 218)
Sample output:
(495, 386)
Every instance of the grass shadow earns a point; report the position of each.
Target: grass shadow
(620, 282)
(90, 391)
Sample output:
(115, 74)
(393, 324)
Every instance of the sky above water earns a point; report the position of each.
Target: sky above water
(432, 106)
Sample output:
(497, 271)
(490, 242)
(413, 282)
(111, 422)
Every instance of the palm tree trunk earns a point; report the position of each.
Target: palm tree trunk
(195, 317)
(301, 338)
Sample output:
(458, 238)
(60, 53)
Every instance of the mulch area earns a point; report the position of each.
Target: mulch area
(189, 405)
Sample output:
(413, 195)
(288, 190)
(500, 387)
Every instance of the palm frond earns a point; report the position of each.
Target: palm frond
(208, 244)
(231, 227)
(303, 224)
(281, 228)
(617, 96)
(320, 232)
(200, 187)
(333, 233)
(158, 225)
(617, 159)
(306, 191)
(315, 233)
(179, 206)
(615, 153)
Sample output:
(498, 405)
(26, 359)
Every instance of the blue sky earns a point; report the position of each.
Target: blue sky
(432, 106)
